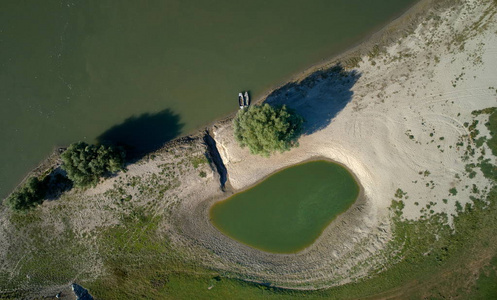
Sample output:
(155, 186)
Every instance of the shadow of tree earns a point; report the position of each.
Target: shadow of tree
(319, 97)
(56, 183)
(143, 134)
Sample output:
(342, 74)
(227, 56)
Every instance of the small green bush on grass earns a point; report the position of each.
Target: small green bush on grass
(27, 196)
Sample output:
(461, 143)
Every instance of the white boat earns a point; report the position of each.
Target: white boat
(240, 100)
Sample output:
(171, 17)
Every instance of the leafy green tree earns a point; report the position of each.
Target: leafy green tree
(27, 196)
(85, 163)
(265, 129)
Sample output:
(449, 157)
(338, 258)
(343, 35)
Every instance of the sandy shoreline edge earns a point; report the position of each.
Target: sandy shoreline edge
(381, 37)
(358, 49)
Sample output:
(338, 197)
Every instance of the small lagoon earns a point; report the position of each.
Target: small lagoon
(290, 209)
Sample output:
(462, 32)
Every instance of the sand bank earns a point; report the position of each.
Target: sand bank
(394, 116)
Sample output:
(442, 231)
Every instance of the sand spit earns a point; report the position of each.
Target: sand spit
(394, 121)
(394, 116)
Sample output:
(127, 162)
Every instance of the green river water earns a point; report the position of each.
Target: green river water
(289, 210)
(144, 72)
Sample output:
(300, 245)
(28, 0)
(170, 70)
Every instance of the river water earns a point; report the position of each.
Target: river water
(142, 72)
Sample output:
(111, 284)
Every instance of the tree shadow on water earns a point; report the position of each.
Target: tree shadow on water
(143, 134)
(319, 97)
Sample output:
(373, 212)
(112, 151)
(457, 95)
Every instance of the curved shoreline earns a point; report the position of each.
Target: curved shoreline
(358, 198)
(357, 49)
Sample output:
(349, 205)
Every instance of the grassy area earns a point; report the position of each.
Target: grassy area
(45, 255)
(486, 286)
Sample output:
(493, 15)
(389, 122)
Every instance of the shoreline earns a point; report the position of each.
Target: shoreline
(361, 47)
(379, 36)
(357, 49)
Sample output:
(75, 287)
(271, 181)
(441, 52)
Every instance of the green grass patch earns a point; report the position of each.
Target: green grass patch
(486, 286)
(198, 160)
(43, 258)
(491, 125)
(488, 169)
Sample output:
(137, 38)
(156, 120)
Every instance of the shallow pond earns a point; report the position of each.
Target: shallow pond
(289, 210)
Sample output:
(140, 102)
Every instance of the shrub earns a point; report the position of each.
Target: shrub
(27, 196)
(265, 129)
(85, 163)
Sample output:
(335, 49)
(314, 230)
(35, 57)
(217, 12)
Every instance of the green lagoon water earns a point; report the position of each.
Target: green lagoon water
(288, 211)
(72, 70)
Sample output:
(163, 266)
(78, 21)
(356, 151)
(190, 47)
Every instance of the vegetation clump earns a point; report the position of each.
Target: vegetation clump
(27, 196)
(265, 129)
(85, 163)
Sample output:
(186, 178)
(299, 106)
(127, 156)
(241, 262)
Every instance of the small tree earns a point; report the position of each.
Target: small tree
(27, 196)
(265, 129)
(85, 163)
